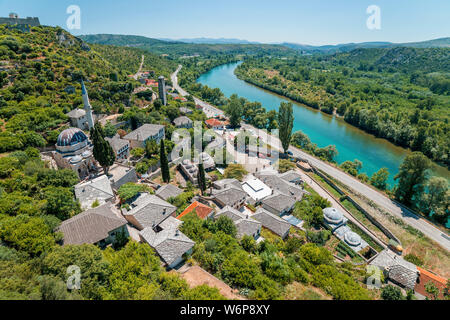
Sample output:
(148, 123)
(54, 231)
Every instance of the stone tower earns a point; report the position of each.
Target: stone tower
(87, 106)
(162, 90)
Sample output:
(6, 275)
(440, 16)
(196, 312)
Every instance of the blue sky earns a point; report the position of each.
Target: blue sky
(314, 22)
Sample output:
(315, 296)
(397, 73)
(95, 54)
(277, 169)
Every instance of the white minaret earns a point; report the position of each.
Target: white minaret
(87, 106)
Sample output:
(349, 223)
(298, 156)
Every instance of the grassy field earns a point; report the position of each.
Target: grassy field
(363, 219)
(299, 291)
(327, 186)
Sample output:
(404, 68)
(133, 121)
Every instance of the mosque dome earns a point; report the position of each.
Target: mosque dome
(352, 239)
(71, 137)
(332, 215)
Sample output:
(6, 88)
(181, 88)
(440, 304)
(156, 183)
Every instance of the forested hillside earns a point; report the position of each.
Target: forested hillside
(39, 82)
(177, 49)
(37, 67)
(400, 94)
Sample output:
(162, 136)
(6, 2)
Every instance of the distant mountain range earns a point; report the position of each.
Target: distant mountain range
(436, 43)
(211, 41)
(224, 45)
(345, 47)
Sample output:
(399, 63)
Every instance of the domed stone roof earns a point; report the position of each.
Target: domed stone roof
(86, 154)
(332, 215)
(352, 238)
(70, 137)
(76, 159)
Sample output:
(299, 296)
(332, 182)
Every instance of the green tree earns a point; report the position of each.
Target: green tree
(235, 111)
(285, 165)
(437, 199)
(379, 179)
(412, 178)
(103, 152)
(235, 171)
(391, 292)
(164, 163)
(226, 225)
(28, 234)
(431, 289)
(285, 124)
(89, 258)
(60, 202)
(151, 149)
(201, 178)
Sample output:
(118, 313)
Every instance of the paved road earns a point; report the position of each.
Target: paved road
(380, 199)
(208, 109)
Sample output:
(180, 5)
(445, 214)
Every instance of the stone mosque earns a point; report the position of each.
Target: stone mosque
(73, 147)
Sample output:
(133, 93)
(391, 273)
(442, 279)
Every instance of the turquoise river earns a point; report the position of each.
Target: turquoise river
(351, 143)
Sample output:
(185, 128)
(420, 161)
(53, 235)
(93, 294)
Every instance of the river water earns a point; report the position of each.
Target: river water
(323, 130)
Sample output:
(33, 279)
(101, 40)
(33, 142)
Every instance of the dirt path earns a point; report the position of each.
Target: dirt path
(196, 276)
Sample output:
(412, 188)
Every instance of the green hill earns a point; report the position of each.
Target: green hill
(38, 71)
(404, 59)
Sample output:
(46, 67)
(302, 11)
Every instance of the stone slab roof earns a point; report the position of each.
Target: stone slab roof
(76, 113)
(222, 184)
(247, 227)
(272, 222)
(279, 202)
(144, 132)
(230, 195)
(170, 243)
(180, 121)
(117, 143)
(231, 213)
(398, 269)
(291, 176)
(168, 191)
(150, 210)
(277, 183)
(97, 189)
(91, 226)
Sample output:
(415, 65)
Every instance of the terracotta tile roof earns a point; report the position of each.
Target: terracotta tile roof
(202, 211)
(427, 276)
(214, 122)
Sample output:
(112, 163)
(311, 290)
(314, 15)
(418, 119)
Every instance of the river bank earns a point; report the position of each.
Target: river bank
(323, 129)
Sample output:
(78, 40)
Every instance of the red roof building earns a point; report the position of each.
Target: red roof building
(214, 123)
(426, 277)
(202, 211)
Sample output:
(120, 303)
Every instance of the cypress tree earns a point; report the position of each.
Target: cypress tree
(103, 152)
(286, 124)
(164, 163)
(201, 177)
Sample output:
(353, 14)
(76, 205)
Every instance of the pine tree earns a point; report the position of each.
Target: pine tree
(164, 163)
(103, 152)
(201, 177)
